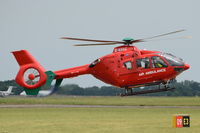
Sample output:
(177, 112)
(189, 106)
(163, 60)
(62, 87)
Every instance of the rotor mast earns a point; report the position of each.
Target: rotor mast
(127, 41)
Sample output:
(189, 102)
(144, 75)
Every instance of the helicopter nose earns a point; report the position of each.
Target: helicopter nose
(186, 66)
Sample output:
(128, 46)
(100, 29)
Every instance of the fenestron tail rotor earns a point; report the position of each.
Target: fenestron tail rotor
(31, 76)
(125, 41)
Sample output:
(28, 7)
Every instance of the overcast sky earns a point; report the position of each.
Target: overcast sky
(37, 25)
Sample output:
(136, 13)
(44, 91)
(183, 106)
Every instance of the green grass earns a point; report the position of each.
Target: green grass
(97, 120)
(141, 101)
(94, 120)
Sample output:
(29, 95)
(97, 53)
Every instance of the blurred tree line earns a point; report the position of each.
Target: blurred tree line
(5, 84)
(184, 88)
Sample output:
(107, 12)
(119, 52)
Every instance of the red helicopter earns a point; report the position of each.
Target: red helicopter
(126, 67)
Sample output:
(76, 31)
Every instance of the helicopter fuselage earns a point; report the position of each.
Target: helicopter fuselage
(130, 67)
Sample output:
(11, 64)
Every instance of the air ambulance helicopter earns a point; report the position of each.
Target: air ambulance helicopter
(126, 67)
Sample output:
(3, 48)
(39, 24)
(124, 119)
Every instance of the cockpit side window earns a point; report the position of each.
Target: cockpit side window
(158, 62)
(128, 65)
(143, 63)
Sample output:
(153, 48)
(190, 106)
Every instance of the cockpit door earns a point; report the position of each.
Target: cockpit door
(159, 68)
(143, 66)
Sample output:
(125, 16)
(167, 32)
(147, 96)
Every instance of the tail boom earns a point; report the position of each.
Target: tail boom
(32, 76)
(72, 72)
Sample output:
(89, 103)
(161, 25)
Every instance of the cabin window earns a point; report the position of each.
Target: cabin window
(128, 65)
(143, 63)
(158, 62)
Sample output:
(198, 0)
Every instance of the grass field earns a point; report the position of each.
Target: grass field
(94, 120)
(98, 120)
(140, 101)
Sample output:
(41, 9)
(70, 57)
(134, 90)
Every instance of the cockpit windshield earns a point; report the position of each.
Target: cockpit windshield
(173, 60)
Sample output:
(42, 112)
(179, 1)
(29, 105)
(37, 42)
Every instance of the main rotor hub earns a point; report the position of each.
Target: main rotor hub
(128, 40)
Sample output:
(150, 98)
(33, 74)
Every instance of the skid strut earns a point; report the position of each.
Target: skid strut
(147, 91)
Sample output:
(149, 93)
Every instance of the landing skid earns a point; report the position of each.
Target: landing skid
(147, 91)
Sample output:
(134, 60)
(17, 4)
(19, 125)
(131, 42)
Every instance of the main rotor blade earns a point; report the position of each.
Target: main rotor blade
(90, 40)
(174, 38)
(97, 44)
(163, 34)
(137, 41)
(149, 38)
